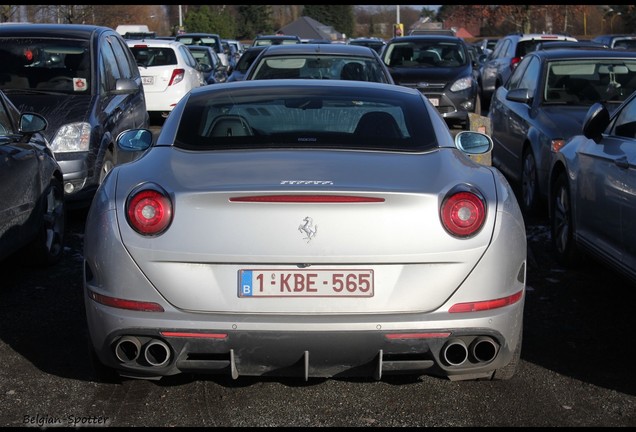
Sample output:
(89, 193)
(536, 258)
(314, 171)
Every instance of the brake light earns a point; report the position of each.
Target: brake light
(177, 76)
(149, 210)
(463, 213)
(307, 199)
(514, 62)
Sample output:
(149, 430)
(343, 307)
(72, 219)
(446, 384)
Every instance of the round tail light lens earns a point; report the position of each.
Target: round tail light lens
(149, 211)
(463, 214)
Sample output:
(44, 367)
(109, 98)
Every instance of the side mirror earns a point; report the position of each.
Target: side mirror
(133, 140)
(519, 95)
(595, 121)
(32, 123)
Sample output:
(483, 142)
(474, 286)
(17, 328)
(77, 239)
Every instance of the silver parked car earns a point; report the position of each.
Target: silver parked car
(307, 228)
(592, 184)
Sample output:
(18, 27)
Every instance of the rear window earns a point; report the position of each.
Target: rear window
(295, 117)
(146, 56)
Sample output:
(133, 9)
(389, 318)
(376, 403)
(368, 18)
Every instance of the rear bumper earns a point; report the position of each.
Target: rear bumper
(474, 348)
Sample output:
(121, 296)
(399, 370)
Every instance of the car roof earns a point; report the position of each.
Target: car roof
(277, 37)
(554, 44)
(155, 42)
(577, 53)
(196, 34)
(73, 31)
(540, 36)
(307, 84)
(327, 49)
(426, 37)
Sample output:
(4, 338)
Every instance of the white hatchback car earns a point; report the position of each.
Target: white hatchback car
(168, 72)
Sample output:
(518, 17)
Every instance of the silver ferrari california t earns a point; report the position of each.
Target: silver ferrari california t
(305, 228)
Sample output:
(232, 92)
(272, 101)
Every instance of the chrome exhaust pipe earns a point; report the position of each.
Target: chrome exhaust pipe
(157, 353)
(127, 349)
(484, 349)
(455, 352)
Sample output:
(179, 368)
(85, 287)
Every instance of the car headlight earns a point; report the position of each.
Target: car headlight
(72, 137)
(461, 84)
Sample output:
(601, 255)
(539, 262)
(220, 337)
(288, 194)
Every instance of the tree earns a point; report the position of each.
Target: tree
(254, 20)
(206, 19)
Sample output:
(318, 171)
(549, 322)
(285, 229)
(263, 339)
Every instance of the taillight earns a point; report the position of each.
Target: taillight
(177, 76)
(514, 62)
(149, 210)
(463, 213)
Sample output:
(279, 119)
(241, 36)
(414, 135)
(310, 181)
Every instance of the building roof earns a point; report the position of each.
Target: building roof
(308, 28)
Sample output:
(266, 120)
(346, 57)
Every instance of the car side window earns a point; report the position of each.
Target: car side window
(121, 58)
(530, 77)
(625, 125)
(110, 66)
(516, 77)
(187, 56)
(5, 123)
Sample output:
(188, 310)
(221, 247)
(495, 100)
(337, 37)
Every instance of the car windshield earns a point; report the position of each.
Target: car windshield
(319, 67)
(60, 65)
(302, 117)
(588, 81)
(425, 53)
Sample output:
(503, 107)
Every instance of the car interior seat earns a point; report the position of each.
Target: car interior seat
(230, 125)
(428, 57)
(353, 71)
(401, 54)
(377, 124)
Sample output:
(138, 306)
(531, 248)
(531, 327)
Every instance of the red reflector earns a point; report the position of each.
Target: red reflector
(307, 199)
(416, 335)
(125, 304)
(486, 305)
(194, 335)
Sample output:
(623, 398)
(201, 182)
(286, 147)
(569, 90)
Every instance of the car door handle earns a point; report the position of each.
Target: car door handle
(622, 162)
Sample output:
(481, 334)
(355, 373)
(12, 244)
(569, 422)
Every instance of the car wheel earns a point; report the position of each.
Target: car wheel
(561, 227)
(48, 246)
(509, 370)
(529, 184)
(107, 166)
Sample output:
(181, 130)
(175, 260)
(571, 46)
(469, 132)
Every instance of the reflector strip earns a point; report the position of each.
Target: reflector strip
(417, 335)
(194, 335)
(125, 304)
(486, 305)
(307, 199)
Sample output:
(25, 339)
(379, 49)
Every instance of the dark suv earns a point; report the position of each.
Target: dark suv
(441, 68)
(84, 80)
(497, 66)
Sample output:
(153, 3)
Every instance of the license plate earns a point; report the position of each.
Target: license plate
(434, 101)
(305, 283)
(149, 80)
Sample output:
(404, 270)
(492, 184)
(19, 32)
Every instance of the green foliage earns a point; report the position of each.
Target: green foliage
(254, 20)
(207, 20)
